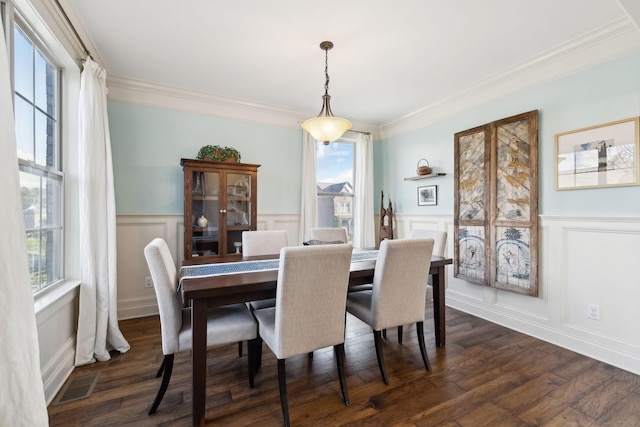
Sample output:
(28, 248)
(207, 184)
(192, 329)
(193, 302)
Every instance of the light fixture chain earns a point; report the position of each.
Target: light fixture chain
(326, 71)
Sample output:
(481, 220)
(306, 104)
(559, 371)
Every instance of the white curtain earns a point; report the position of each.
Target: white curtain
(98, 330)
(364, 230)
(22, 400)
(308, 203)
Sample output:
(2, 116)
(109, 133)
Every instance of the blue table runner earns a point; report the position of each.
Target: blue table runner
(193, 271)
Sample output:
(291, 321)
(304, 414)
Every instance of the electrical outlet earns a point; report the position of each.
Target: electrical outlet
(148, 283)
(593, 311)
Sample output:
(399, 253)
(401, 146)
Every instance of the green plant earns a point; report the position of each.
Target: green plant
(217, 153)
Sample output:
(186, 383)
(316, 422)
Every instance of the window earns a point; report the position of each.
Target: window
(36, 108)
(335, 178)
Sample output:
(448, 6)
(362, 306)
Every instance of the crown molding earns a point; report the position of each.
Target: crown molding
(151, 94)
(612, 41)
(174, 98)
(604, 44)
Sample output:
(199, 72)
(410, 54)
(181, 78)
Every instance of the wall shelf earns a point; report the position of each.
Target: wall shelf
(431, 175)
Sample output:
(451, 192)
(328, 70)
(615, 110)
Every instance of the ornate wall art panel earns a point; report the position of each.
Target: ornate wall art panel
(471, 201)
(496, 208)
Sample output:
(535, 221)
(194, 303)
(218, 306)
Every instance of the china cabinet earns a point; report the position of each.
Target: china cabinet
(219, 204)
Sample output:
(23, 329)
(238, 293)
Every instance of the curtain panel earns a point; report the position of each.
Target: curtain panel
(22, 397)
(98, 330)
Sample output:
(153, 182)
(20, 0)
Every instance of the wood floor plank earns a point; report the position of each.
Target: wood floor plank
(486, 375)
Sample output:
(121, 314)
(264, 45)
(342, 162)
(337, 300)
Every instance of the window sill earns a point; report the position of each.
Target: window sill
(58, 293)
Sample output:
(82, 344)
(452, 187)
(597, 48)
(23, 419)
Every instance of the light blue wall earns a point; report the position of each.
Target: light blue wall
(605, 93)
(148, 143)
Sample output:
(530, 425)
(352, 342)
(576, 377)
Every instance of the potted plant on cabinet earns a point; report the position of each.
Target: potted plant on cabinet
(217, 153)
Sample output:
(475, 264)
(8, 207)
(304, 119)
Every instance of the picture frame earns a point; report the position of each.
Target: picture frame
(428, 195)
(605, 155)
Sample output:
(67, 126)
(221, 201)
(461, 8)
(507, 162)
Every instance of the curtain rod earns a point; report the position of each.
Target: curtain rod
(359, 131)
(73, 28)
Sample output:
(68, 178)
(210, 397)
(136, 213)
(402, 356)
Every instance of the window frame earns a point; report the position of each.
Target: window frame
(12, 19)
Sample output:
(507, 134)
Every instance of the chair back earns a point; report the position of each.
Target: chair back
(165, 281)
(311, 298)
(439, 239)
(333, 235)
(264, 242)
(399, 282)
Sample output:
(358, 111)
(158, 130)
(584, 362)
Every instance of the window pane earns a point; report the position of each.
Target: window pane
(45, 84)
(51, 217)
(23, 64)
(335, 162)
(335, 165)
(24, 128)
(30, 192)
(45, 140)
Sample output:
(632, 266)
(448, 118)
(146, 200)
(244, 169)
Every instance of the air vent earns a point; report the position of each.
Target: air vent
(77, 388)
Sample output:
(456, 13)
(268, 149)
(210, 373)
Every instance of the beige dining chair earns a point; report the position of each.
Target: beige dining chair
(263, 242)
(439, 246)
(226, 324)
(310, 309)
(259, 243)
(398, 293)
(329, 235)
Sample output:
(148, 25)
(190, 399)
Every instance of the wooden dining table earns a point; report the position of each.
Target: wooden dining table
(203, 288)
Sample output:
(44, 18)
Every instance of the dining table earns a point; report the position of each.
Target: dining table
(215, 284)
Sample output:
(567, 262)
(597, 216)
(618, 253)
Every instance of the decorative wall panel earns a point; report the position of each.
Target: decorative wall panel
(496, 204)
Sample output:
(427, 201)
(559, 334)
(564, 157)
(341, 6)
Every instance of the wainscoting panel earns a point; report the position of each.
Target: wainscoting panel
(582, 261)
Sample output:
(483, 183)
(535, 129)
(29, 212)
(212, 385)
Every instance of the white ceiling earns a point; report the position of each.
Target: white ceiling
(390, 60)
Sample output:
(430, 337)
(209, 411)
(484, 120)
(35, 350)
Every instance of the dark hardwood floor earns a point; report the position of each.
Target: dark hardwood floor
(486, 375)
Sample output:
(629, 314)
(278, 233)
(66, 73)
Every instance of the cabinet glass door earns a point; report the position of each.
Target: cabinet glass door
(205, 214)
(238, 209)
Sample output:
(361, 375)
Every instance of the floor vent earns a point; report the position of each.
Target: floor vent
(77, 388)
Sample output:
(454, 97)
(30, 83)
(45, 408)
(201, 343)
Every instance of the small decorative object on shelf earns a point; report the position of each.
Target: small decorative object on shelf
(423, 169)
(202, 221)
(217, 153)
(237, 245)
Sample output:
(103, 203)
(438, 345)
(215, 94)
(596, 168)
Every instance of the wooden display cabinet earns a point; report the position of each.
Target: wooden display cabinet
(220, 201)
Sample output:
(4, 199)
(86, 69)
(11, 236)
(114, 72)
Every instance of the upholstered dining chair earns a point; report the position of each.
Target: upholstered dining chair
(310, 309)
(264, 242)
(329, 235)
(226, 324)
(258, 243)
(439, 246)
(398, 294)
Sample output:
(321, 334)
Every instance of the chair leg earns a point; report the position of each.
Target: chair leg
(384, 334)
(339, 353)
(258, 360)
(423, 349)
(161, 369)
(167, 363)
(251, 347)
(282, 383)
(239, 348)
(377, 337)
(400, 334)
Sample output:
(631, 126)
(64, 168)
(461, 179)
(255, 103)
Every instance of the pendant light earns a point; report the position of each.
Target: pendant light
(326, 127)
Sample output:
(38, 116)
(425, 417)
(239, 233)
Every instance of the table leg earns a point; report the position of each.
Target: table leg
(438, 305)
(199, 359)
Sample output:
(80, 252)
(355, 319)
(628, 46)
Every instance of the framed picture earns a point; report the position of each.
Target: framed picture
(598, 156)
(428, 195)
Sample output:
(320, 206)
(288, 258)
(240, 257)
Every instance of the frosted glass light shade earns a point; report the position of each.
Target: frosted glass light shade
(326, 129)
